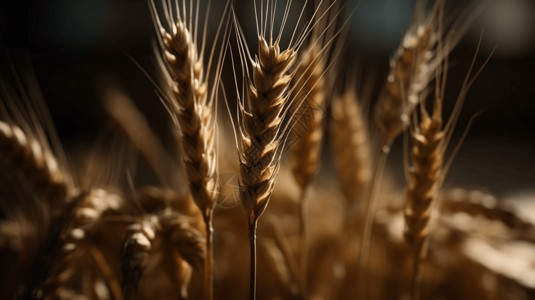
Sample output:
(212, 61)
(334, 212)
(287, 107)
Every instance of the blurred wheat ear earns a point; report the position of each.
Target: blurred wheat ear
(429, 141)
(411, 69)
(309, 92)
(352, 146)
(37, 165)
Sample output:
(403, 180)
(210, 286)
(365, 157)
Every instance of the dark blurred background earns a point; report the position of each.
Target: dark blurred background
(76, 45)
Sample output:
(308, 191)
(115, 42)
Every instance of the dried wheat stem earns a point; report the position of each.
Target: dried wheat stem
(37, 165)
(252, 259)
(193, 111)
(107, 273)
(303, 242)
(261, 134)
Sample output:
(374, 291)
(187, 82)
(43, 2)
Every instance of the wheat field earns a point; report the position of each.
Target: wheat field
(267, 149)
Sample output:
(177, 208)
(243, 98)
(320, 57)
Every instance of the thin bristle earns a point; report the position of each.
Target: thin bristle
(351, 145)
(136, 127)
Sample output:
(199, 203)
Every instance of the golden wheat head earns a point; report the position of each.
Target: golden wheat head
(261, 135)
(191, 106)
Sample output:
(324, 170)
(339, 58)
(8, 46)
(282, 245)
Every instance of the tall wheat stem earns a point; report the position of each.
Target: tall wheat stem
(370, 196)
(209, 259)
(261, 135)
(252, 248)
(191, 101)
(303, 241)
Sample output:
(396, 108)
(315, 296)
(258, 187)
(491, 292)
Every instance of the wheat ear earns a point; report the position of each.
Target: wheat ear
(38, 166)
(308, 131)
(192, 107)
(351, 145)
(427, 153)
(87, 214)
(430, 138)
(138, 244)
(411, 69)
(308, 134)
(193, 112)
(181, 244)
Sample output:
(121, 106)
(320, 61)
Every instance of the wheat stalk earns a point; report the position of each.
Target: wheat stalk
(260, 140)
(267, 110)
(191, 104)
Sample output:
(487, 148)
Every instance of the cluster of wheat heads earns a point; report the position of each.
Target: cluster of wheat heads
(87, 230)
